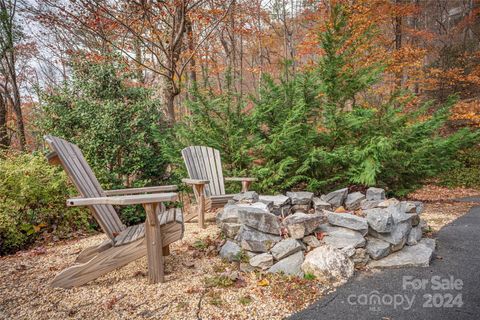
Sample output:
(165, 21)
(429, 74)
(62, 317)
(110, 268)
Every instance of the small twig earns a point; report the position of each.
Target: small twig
(199, 305)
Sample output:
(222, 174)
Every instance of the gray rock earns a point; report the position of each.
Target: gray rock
(354, 200)
(369, 204)
(230, 230)
(246, 267)
(398, 214)
(328, 264)
(418, 255)
(229, 214)
(305, 208)
(285, 248)
(414, 236)
(398, 234)
(291, 265)
(320, 205)
(280, 204)
(246, 197)
(398, 246)
(253, 240)
(379, 219)
(415, 219)
(259, 219)
(360, 258)
(277, 201)
(262, 261)
(349, 251)
(300, 197)
(419, 207)
(375, 194)
(388, 203)
(377, 248)
(348, 221)
(408, 206)
(424, 225)
(258, 205)
(340, 237)
(337, 197)
(230, 251)
(301, 224)
(311, 241)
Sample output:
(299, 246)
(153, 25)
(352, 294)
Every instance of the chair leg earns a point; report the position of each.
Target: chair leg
(101, 264)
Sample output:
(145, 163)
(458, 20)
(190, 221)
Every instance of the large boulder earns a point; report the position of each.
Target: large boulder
(379, 220)
(377, 248)
(375, 194)
(397, 236)
(259, 219)
(300, 224)
(337, 197)
(246, 197)
(262, 261)
(348, 221)
(253, 240)
(230, 251)
(340, 237)
(328, 264)
(291, 265)
(285, 248)
(354, 200)
(418, 255)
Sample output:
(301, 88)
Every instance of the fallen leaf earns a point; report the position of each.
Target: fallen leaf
(263, 283)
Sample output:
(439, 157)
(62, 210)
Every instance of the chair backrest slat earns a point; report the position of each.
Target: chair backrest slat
(205, 163)
(86, 183)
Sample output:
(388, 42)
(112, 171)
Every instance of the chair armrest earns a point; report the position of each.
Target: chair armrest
(124, 200)
(195, 181)
(240, 179)
(119, 192)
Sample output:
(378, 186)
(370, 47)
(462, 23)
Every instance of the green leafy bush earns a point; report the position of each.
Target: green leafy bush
(116, 124)
(32, 200)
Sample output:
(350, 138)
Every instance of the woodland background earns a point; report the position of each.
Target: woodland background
(301, 94)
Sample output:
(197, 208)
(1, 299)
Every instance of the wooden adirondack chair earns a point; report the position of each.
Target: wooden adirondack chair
(204, 168)
(124, 244)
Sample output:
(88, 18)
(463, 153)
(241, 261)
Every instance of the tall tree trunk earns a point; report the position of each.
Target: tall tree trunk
(4, 141)
(398, 43)
(17, 103)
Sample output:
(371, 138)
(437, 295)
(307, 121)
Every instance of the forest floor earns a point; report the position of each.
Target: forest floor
(195, 287)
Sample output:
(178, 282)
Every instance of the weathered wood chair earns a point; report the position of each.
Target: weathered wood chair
(124, 244)
(204, 168)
